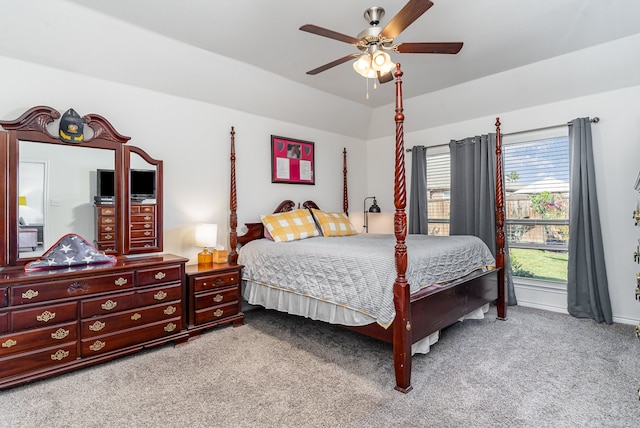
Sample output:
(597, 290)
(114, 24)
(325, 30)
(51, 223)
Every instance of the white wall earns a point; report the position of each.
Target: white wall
(192, 138)
(617, 161)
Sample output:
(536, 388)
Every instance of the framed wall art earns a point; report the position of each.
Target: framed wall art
(292, 161)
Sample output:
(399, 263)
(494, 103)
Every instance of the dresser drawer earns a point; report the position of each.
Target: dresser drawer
(70, 288)
(106, 211)
(107, 228)
(159, 275)
(135, 209)
(3, 297)
(110, 342)
(159, 294)
(108, 236)
(129, 319)
(216, 297)
(4, 324)
(107, 304)
(144, 234)
(214, 281)
(29, 361)
(106, 220)
(37, 338)
(43, 315)
(215, 313)
(142, 218)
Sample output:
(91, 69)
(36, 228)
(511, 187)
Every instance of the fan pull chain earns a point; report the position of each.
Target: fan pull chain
(367, 80)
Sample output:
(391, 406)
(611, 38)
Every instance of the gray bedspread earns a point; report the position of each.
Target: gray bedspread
(358, 271)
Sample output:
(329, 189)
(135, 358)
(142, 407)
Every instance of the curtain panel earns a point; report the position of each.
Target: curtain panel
(418, 221)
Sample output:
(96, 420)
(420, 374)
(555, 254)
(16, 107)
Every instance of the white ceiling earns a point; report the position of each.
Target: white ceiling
(498, 35)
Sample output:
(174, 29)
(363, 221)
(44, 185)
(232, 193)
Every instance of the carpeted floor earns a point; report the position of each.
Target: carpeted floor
(538, 369)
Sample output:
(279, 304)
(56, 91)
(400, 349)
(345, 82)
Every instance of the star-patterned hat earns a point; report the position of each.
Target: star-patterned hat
(70, 250)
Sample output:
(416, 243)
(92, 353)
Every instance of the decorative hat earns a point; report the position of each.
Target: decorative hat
(70, 250)
(71, 127)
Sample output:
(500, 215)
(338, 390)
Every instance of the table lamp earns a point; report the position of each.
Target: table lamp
(206, 237)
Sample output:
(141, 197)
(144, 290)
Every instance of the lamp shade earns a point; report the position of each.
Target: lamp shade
(206, 235)
(374, 208)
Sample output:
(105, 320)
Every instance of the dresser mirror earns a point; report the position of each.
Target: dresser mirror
(93, 188)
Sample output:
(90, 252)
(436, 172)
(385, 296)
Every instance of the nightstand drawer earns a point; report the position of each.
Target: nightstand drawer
(215, 313)
(107, 304)
(214, 281)
(216, 297)
(44, 315)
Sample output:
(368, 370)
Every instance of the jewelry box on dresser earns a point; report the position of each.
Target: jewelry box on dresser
(56, 320)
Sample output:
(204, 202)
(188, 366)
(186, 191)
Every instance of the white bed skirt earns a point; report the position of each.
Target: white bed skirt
(296, 304)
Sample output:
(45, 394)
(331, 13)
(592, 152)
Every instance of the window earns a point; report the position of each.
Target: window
(537, 207)
(439, 190)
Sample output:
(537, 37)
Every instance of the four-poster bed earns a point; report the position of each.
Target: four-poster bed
(417, 311)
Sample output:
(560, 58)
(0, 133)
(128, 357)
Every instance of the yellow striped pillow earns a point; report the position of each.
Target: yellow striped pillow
(290, 225)
(334, 224)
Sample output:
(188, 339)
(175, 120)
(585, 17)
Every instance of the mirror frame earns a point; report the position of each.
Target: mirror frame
(32, 126)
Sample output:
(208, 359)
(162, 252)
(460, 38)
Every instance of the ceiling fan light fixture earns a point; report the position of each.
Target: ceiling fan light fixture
(381, 61)
(363, 66)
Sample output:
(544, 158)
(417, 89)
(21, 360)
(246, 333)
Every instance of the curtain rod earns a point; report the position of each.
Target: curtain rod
(592, 120)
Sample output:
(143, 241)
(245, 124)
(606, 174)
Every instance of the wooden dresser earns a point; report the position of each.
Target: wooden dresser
(143, 227)
(55, 321)
(214, 296)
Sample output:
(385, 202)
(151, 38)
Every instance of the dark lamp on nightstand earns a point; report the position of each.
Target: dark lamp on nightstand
(206, 237)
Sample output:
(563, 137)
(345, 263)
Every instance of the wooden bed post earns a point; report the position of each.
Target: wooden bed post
(233, 204)
(501, 304)
(345, 193)
(402, 323)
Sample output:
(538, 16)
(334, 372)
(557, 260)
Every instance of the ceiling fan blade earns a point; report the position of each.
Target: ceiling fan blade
(430, 47)
(314, 29)
(384, 78)
(332, 64)
(409, 13)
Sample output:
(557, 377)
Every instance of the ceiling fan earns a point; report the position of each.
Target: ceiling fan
(374, 62)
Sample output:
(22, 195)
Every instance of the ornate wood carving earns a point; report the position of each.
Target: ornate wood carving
(402, 322)
(34, 119)
(233, 203)
(103, 129)
(345, 193)
(500, 238)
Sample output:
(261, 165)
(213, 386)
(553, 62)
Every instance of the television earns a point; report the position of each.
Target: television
(106, 189)
(142, 184)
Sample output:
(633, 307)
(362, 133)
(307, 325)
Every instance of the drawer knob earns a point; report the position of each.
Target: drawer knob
(108, 229)
(160, 275)
(108, 211)
(108, 220)
(136, 316)
(170, 310)
(97, 326)
(160, 295)
(60, 334)
(170, 327)
(147, 209)
(109, 305)
(147, 226)
(97, 345)
(108, 236)
(46, 316)
(218, 298)
(29, 294)
(147, 218)
(60, 355)
(147, 233)
(9, 343)
(218, 313)
(120, 281)
(218, 281)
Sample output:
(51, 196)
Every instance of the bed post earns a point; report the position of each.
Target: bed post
(345, 193)
(402, 323)
(501, 303)
(233, 204)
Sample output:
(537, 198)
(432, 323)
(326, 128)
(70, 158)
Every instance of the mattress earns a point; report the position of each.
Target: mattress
(349, 280)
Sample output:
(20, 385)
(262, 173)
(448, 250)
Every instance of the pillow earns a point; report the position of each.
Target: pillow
(334, 224)
(290, 225)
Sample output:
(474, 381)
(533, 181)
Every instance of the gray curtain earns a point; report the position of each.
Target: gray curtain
(418, 222)
(587, 287)
(473, 195)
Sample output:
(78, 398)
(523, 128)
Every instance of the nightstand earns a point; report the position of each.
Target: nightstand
(214, 296)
